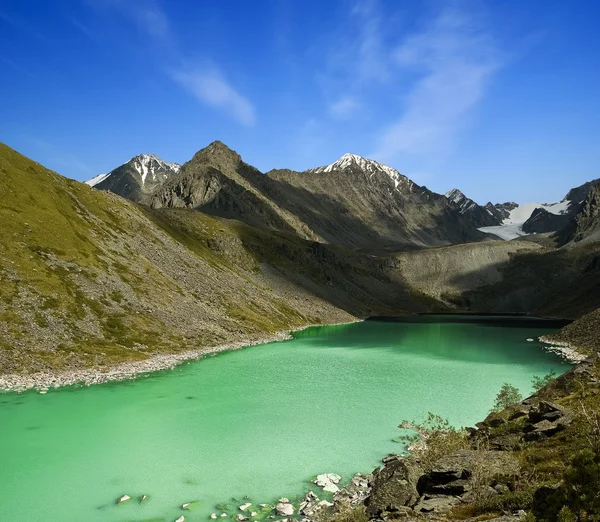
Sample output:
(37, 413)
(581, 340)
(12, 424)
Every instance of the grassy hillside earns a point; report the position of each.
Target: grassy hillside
(90, 279)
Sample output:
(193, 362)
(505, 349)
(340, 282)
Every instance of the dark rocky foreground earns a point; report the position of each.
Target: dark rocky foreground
(490, 477)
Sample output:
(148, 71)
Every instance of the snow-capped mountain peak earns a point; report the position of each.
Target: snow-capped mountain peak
(368, 166)
(150, 168)
(455, 196)
(149, 164)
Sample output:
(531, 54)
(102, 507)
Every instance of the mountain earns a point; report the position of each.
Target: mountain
(353, 202)
(584, 226)
(136, 179)
(478, 216)
(541, 221)
(91, 280)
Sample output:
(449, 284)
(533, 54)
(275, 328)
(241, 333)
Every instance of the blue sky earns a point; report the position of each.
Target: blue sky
(498, 98)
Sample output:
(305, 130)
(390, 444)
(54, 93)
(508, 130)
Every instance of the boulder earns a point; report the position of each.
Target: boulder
(181, 519)
(122, 499)
(309, 505)
(519, 411)
(543, 429)
(394, 487)
(451, 474)
(355, 492)
(284, 509)
(328, 482)
(245, 506)
(546, 410)
(213, 516)
(510, 441)
(494, 422)
(241, 518)
(436, 504)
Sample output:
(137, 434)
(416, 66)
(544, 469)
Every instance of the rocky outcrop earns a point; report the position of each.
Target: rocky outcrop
(394, 487)
(531, 421)
(585, 225)
(478, 216)
(354, 202)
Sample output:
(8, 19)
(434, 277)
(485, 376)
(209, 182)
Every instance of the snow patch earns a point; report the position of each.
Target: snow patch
(512, 226)
(96, 179)
(149, 164)
(506, 232)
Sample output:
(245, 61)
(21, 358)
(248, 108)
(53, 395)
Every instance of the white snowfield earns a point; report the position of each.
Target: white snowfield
(512, 226)
(366, 165)
(96, 179)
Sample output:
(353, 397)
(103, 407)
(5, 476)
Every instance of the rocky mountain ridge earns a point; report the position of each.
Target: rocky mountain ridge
(354, 202)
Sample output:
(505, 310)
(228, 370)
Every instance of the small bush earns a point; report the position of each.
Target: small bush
(346, 514)
(578, 492)
(511, 501)
(507, 396)
(539, 383)
(434, 438)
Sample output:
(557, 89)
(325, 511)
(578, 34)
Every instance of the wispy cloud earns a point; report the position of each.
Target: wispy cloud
(211, 88)
(208, 85)
(455, 58)
(370, 56)
(344, 108)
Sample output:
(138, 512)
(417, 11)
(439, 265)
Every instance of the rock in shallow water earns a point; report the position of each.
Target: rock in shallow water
(328, 482)
(284, 509)
(122, 499)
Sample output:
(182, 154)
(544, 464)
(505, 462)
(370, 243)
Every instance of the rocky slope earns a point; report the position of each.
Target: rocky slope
(91, 279)
(364, 204)
(479, 216)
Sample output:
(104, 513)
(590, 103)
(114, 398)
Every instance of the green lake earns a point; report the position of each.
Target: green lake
(258, 422)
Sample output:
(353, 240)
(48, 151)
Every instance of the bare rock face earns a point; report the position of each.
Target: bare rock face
(394, 487)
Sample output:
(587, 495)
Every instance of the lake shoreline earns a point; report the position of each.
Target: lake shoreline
(43, 381)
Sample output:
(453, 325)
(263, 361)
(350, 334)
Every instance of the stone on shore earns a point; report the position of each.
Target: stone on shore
(284, 509)
(328, 482)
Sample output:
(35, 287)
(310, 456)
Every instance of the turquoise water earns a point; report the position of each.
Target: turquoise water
(258, 422)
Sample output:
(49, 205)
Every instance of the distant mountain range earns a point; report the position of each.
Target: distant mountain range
(354, 201)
